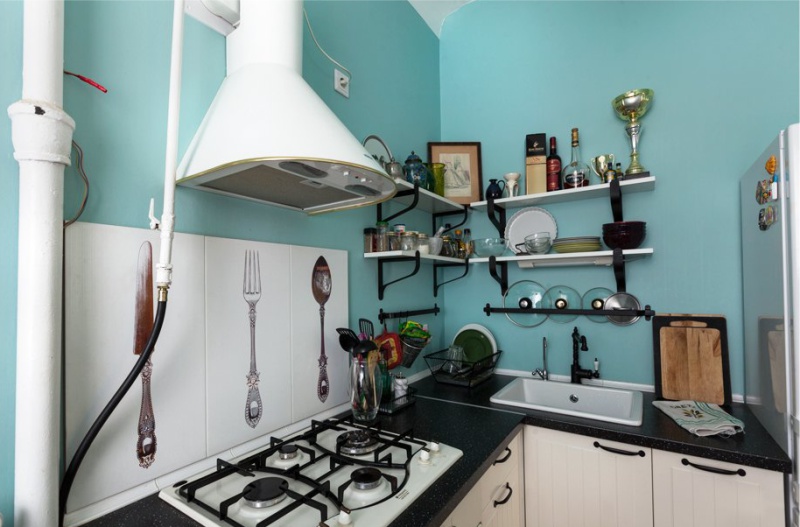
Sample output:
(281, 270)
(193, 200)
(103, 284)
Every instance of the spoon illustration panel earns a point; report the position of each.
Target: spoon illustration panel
(321, 289)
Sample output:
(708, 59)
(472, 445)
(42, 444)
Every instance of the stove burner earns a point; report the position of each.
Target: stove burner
(357, 442)
(288, 452)
(366, 478)
(265, 492)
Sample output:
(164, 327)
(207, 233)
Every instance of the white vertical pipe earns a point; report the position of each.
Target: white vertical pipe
(42, 136)
(164, 266)
(269, 32)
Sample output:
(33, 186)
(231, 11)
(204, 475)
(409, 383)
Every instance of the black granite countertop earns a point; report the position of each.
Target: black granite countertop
(755, 447)
(468, 420)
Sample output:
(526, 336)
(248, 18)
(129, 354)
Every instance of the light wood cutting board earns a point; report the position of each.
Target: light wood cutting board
(691, 358)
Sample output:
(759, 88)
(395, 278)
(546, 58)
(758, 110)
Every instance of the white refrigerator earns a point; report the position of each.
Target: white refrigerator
(770, 209)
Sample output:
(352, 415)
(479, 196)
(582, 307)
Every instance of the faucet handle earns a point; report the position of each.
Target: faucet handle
(584, 345)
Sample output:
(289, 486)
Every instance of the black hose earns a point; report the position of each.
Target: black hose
(83, 448)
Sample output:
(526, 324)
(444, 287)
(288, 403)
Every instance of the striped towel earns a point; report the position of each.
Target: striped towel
(701, 419)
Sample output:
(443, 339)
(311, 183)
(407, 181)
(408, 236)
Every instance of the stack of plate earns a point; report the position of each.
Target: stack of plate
(579, 244)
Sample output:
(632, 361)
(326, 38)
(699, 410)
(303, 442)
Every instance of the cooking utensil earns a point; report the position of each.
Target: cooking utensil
(143, 326)
(321, 289)
(691, 358)
(251, 291)
(347, 339)
(622, 300)
(366, 327)
(524, 294)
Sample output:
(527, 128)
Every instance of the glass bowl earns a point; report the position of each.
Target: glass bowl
(486, 247)
(538, 243)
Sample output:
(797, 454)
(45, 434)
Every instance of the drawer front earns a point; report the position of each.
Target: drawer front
(695, 492)
(497, 475)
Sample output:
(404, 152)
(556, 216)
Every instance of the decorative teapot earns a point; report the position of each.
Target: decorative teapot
(415, 170)
(495, 190)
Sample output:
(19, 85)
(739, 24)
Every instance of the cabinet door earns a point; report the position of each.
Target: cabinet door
(579, 481)
(506, 509)
(687, 496)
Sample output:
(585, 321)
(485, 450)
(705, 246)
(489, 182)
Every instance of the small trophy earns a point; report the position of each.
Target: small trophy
(631, 106)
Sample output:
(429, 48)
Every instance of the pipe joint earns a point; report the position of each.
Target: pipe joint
(41, 132)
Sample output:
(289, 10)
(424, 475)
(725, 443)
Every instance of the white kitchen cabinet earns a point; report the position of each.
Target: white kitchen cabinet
(697, 492)
(580, 481)
(498, 498)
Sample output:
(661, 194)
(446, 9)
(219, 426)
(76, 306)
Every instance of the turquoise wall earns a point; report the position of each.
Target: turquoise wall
(725, 76)
(125, 46)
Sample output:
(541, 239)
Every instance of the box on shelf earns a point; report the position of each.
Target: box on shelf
(535, 164)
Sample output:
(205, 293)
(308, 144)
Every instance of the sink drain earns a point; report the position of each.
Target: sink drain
(573, 398)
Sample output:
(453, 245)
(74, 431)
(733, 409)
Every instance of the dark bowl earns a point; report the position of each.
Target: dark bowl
(625, 226)
(623, 240)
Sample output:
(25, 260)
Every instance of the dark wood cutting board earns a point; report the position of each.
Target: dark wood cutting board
(691, 358)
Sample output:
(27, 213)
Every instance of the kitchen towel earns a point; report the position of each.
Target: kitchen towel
(701, 419)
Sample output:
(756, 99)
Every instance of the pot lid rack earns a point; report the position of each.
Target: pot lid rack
(647, 312)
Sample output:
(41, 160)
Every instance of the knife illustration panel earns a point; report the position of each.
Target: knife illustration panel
(143, 326)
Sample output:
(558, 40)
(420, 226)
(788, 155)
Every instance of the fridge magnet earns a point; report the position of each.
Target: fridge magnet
(766, 217)
(771, 165)
(763, 191)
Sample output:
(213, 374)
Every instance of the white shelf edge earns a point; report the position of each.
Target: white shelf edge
(428, 201)
(592, 191)
(604, 258)
(410, 254)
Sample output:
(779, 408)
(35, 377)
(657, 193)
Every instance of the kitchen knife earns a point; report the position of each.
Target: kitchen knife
(143, 326)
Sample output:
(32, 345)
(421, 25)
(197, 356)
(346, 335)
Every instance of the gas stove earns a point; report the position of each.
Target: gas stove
(337, 472)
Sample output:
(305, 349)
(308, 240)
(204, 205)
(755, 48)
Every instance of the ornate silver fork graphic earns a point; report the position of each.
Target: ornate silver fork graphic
(251, 290)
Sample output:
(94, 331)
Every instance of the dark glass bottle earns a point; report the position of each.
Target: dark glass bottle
(553, 168)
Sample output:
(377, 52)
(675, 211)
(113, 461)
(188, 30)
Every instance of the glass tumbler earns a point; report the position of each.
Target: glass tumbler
(366, 386)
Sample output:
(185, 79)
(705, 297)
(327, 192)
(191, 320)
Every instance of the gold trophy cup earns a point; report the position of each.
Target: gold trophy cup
(599, 164)
(631, 106)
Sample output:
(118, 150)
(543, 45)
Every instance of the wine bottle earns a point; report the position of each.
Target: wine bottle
(576, 173)
(553, 168)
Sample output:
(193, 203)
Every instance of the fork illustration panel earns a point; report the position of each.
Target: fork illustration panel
(248, 358)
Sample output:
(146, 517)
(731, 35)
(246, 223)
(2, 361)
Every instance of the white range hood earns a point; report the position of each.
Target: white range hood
(268, 136)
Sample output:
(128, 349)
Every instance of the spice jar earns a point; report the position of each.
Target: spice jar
(447, 247)
(369, 239)
(408, 241)
(422, 243)
(381, 240)
(393, 240)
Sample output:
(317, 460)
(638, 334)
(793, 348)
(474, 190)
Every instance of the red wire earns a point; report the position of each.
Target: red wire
(88, 81)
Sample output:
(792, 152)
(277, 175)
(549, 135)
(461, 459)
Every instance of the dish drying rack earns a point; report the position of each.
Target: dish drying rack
(398, 403)
(462, 372)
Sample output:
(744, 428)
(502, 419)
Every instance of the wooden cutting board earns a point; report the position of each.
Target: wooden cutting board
(691, 358)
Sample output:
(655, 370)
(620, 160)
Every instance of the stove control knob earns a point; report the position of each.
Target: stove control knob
(344, 518)
(424, 457)
(434, 447)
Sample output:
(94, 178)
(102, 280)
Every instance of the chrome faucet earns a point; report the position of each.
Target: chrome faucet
(576, 372)
(542, 372)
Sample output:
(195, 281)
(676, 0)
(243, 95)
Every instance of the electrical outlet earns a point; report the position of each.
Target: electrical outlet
(341, 82)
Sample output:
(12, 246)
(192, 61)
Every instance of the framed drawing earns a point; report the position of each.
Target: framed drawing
(462, 170)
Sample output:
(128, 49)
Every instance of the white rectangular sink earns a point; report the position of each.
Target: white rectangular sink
(591, 402)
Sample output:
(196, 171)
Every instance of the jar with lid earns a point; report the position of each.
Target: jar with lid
(408, 241)
(422, 243)
(393, 240)
(447, 247)
(369, 239)
(381, 239)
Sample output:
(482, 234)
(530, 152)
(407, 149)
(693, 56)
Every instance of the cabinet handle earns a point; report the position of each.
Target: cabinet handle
(640, 453)
(504, 459)
(715, 470)
(505, 500)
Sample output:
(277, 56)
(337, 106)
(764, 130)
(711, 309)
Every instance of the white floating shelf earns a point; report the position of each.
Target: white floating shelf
(574, 194)
(604, 258)
(425, 258)
(428, 201)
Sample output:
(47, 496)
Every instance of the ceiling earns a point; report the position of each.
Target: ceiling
(435, 11)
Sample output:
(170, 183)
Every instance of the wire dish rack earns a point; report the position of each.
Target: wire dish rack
(461, 372)
(398, 403)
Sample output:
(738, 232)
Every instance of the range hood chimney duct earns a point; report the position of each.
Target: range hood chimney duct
(268, 136)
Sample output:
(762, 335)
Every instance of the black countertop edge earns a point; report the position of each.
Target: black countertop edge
(754, 448)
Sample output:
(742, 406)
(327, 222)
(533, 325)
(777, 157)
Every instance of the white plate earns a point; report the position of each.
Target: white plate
(526, 222)
(481, 329)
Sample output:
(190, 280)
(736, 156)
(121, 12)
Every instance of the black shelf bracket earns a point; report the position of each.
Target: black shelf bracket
(381, 261)
(408, 192)
(463, 211)
(619, 269)
(437, 266)
(647, 312)
(501, 278)
(615, 193)
(498, 219)
(383, 316)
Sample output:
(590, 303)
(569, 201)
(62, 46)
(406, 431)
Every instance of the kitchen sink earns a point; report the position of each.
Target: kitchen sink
(591, 402)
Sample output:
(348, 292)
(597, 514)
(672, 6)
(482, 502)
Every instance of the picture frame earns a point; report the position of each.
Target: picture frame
(463, 182)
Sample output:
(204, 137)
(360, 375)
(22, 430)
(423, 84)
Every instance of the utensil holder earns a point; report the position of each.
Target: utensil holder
(411, 348)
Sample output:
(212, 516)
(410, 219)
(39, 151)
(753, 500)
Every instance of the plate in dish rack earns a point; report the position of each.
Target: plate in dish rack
(477, 342)
(526, 222)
